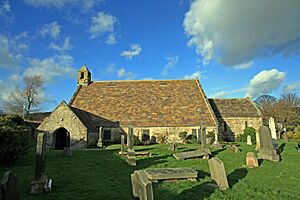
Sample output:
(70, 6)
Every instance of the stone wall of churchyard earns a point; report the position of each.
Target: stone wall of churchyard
(63, 117)
(171, 133)
(237, 125)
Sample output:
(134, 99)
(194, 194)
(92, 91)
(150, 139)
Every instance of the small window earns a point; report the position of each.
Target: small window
(82, 75)
(146, 135)
(225, 126)
(107, 135)
(246, 124)
(194, 132)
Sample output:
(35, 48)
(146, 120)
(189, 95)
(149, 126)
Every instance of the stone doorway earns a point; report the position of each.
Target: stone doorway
(62, 138)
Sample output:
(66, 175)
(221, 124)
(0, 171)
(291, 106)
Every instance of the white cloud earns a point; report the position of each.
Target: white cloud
(110, 69)
(103, 23)
(122, 73)
(171, 62)
(244, 65)
(86, 4)
(134, 51)
(52, 29)
(265, 82)
(195, 75)
(22, 35)
(5, 7)
(111, 39)
(9, 57)
(236, 32)
(51, 67)
(64, 47)
(292, 87)
(226, 93)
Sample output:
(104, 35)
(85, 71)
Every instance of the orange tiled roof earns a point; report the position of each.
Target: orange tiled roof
(235, 107)
(146, 102)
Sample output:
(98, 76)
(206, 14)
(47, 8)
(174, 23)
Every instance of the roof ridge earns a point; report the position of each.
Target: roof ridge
(154, 80)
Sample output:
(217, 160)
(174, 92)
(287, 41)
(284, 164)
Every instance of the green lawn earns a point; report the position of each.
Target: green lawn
(103, 174)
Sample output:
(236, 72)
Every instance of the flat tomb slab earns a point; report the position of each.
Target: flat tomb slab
(171, 173)
(192, 154)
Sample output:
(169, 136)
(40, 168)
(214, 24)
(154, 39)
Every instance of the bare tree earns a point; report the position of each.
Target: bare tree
(29, 97)
(291, 98)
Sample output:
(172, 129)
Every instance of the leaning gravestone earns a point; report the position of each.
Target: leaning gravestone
(233, 148)
(249, 140)
(141, 185)
(130, 138)
(41, 183)
(266, 150)
(122, 150)
(251, 160)
(217, 172)
(8, 187)
(131, 157)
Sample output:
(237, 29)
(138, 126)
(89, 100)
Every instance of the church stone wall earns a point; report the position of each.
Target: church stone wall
(63, 117)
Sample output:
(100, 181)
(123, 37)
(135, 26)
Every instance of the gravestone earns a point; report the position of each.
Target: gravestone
(8, 187)
(273, 132)
(266, 150)
(141, 186)
(67, 151)
(249, 140)
(131, 157)
(122, 150)
(130, 138)
(173, 147)
(285, 137)
(203, 136)
(41, 182)
(233, 148)
(163, 174)
(100, 138)
(218, 173)
(192, 154)
(251, 160)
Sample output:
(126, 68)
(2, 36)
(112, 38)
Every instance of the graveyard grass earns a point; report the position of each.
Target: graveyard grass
(103, 174)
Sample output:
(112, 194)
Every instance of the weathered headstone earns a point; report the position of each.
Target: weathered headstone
(41, 182)
(122, 150)
(216, 143)
(130, 138)
(173, 147)
(273, 132)
(285, 137)
(192, 154)
(233, 148)
(8, 187)
(266, 150)
(131, 157)
(218, 173)
(67, 151)
(100, 138)
(251, 160)
(159, 174)
(141, 186)
(249, 140)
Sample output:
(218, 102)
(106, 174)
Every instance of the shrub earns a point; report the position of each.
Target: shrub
(136, 140)
(161, 138)
(247, 131)
(189, 139)
(15, 140)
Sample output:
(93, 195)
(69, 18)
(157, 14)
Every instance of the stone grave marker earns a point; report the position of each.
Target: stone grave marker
(285, 137)
(122, 150)
(203, 136)
(41, 183)
(233, 148)
(249, 140)
(100, 138)
(273, 132)
(218, 173)
(173, 147)
(67, 151)
(192, 154)
(251, 160)
(8, 187)
(141, 186)
(131, 157)
(162, 174)
(266, 150)
(130, 138)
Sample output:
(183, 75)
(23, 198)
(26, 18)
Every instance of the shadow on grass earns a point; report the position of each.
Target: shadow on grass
(214, 153)
(202, 174)
(147, 162)
(281, 147)
(236, 176)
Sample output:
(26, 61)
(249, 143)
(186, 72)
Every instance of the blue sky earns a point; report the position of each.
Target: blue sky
(236, 49)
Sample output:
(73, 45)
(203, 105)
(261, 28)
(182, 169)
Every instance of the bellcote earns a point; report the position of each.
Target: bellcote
(84, 76)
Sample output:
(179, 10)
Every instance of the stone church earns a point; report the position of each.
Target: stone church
(156, 110)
